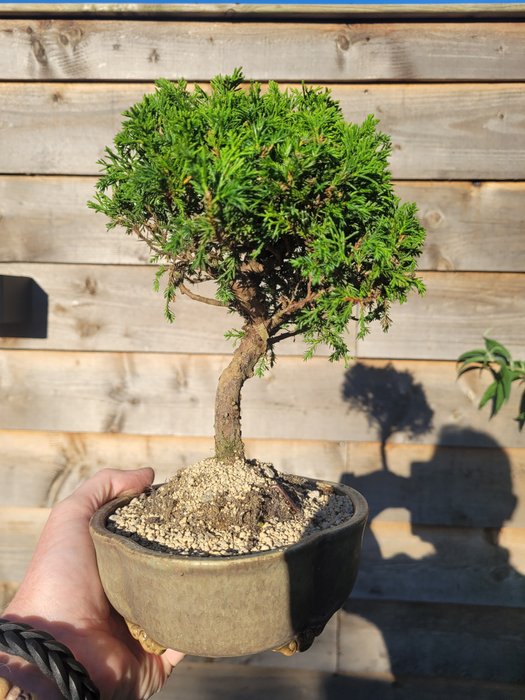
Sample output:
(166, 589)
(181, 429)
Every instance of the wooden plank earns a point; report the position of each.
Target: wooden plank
(38, 468)
(440, 485)
(213, 681)
(457, 310)
(231, 11)
(19, 532)
(443, 565)
(460, 217)
(419, 639)
(464, 131)
(41, 217)
(46, 219)
(114, 308)
(446, 131)
(165, 394)
(110, 307)
(129, 50)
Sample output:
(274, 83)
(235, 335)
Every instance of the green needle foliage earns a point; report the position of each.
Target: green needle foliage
(288, 208)
(497, 360)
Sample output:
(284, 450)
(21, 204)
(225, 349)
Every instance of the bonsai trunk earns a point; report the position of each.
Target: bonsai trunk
(228, 439)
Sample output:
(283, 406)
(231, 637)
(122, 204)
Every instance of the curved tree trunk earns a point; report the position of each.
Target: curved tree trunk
(228, 438)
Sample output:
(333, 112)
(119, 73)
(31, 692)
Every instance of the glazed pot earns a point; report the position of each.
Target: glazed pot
(232, 605)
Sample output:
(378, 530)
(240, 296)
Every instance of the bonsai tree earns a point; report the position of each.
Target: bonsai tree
(497, 360)
(274, 197)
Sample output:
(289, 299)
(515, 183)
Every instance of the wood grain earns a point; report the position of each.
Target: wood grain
(110, 307)
(440, 485)
(480, 487)
(40, 468)
(482, 643)
(463, 131)
(468, 566)
(455, 313)
(19, 532)
(446, 131)
(165, 394)
(214, 681)
(45, 219)
(114, 308)
(460, 217)
(231, 11)
(130, 50)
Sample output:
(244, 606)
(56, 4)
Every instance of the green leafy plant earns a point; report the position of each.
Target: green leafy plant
(496, 359)
(274, 197)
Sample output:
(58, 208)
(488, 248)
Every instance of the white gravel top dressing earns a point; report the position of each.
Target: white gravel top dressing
(216, 509)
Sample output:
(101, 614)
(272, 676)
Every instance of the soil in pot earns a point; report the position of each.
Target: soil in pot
(216, 509)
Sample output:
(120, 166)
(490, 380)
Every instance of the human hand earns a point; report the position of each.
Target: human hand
(62, 594)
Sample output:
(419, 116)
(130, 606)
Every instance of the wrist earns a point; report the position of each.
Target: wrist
(27, 677)
(37, 658)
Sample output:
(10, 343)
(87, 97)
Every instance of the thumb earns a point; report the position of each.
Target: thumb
(108, 484)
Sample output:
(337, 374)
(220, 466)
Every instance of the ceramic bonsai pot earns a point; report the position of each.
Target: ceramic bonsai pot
(232, 605)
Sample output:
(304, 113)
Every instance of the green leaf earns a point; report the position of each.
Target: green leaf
(499, 399)
(498, 350)
(489, 394)
(473, 356)
(468, 366)
(505, 379)
(521, 415)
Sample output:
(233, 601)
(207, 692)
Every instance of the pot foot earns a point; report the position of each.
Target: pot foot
(288, 649)
(302, 642)
(148, 644)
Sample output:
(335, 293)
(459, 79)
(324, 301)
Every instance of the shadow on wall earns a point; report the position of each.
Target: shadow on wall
(391, 401)
(23, 308)
(437, 595)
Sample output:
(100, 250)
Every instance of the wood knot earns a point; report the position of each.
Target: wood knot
(39, 51)
(342, 42)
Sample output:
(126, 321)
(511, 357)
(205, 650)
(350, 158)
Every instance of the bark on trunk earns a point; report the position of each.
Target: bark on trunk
(228, 437)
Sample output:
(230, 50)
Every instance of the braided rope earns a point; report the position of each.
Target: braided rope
(52, 658)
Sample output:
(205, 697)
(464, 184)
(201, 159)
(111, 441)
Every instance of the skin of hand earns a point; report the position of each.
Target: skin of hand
(62, 594)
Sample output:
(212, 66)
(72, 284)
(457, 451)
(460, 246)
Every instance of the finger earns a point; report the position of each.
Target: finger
(108, 484)
(172, 657)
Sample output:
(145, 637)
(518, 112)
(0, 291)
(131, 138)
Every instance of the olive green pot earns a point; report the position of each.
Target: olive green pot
(234, 605)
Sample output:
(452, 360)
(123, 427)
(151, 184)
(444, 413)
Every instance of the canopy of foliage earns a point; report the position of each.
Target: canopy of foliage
(271, 194)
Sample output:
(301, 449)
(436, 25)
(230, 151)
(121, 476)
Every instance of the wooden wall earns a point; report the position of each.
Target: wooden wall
(439, 606)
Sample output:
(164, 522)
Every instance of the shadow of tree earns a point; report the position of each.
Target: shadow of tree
(438, 602)
(391, 400)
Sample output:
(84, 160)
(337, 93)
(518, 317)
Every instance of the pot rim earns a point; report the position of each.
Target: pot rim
(97, 526)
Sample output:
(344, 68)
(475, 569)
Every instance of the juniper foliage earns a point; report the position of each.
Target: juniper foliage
(288, 208)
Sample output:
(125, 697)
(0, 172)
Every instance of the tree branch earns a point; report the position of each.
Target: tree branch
(293, 307)
(149, 241)
(284, 336)
(198, 297)
(357, 300)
